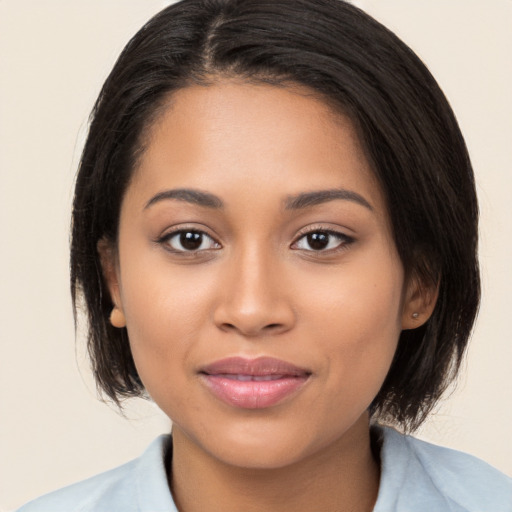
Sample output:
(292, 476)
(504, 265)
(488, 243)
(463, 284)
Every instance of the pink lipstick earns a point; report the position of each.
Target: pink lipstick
(253, 383)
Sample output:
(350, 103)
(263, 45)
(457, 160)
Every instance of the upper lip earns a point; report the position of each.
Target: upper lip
(260, 366)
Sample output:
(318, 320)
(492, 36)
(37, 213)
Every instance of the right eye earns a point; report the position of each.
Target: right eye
(189, 240)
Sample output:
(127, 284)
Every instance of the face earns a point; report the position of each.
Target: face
(257, 273)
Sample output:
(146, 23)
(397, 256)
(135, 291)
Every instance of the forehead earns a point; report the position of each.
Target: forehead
(234, 135)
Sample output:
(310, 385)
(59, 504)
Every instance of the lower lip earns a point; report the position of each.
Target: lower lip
(253, 394)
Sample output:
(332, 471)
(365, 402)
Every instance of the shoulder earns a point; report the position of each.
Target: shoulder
(86, 495)
(122, 488)
(431, 477)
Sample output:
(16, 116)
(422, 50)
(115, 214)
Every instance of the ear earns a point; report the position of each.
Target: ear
(419, 302)
(110, 269)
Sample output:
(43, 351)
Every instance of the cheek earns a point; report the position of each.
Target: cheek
(167, 309)
(357, 315)
(363, 297)
(161, 328)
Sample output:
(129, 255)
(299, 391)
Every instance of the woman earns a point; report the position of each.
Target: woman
(275, 233)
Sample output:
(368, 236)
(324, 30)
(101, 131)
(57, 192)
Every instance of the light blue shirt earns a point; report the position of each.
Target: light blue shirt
(416, 477)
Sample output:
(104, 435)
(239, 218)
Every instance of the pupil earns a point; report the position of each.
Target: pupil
(318, 241)
(191, 240)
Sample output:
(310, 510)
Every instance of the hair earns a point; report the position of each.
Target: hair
(405, 124)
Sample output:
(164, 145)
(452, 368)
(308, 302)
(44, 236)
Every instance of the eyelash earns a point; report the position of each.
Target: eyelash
(177, 234)
(343, 241)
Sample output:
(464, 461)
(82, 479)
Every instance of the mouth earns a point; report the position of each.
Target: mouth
(253, 383)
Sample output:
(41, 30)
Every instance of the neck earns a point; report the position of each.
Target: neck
(342, 477)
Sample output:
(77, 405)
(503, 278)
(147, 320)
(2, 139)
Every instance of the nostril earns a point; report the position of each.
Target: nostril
(273, 328)
(270, 328)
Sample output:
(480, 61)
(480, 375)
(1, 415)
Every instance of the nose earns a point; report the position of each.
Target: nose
(255, 299)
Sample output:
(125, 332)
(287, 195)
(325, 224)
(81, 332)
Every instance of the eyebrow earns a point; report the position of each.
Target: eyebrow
(300, 201)
(188, 195)
(316, 197)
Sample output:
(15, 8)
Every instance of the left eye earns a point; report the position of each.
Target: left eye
(321, 241)
(190, 241)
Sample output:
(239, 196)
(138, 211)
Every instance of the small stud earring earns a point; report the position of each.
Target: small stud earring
(415, 315)
(117, 318)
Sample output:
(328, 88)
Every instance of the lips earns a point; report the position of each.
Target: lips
(253, 383)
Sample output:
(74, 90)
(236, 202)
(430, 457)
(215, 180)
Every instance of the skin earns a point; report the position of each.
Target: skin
(257, 288)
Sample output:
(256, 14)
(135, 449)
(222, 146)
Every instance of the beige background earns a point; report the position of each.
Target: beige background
(54, 55)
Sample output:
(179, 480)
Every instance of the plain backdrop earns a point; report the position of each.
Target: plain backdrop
(54, 56)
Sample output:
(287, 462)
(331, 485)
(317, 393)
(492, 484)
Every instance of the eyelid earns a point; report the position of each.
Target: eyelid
(345, 240)
(176, 230)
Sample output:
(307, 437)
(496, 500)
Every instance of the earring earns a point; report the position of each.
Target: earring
(117, 318)
(415, 315)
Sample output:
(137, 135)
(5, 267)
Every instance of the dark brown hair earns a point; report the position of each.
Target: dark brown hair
(405, 124)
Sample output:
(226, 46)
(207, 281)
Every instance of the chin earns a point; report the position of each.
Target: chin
(259, 456)
(266, 444)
